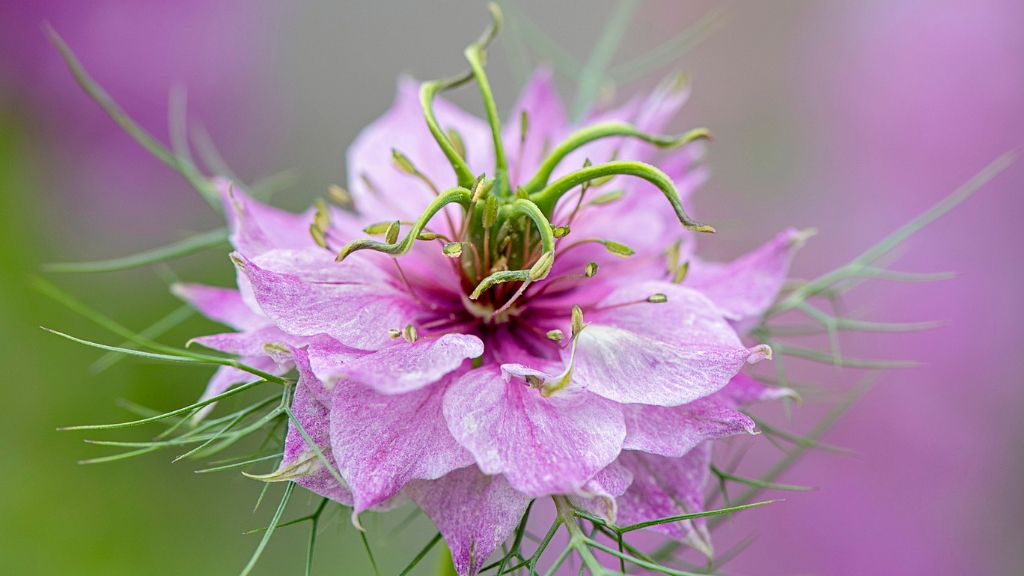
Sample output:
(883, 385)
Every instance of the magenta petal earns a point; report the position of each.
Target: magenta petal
(664, 487)
(382, 442)
(301, 463)
(224, 305)
(261, 342)
(356, 314)
(474, 512)
(663, 354)
(403, 367)
(746, 287)
(383, 193)
(675, 431)
(542, 445)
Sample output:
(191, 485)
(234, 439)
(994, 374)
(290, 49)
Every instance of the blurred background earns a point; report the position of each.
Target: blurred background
(847, 116)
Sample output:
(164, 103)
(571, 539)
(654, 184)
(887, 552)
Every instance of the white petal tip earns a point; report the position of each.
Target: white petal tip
(759, 353)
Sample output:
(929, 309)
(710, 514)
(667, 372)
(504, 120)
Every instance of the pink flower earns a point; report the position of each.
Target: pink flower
(511, 337)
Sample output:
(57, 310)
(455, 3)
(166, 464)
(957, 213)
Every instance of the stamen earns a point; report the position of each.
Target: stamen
(543, 265)
(409, 288)
(409, 334)
(340, 196)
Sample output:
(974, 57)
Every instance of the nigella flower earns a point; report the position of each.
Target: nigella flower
(506, 314)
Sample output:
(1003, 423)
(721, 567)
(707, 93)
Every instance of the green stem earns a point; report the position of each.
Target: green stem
(577, 539)
(596, 132)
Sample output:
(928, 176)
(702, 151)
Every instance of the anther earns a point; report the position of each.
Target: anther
(409, 334)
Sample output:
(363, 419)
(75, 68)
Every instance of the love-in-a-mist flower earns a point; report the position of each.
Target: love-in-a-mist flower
(504, 314)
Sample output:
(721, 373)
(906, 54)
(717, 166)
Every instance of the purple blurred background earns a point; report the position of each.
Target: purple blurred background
(851, 117)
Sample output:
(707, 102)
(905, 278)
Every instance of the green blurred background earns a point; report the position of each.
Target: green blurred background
(848, 116)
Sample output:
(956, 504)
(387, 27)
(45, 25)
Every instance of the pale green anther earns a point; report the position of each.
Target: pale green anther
(524, 126)
(409, 334)
(482, 188)
(452, 249)
(429, 236)
(542, 267)
(391, 235)
(271, 348)
(560, 231)
(454, 196)
(490, 212)
(340, 196)
(377, 228)
(673, 255)
(521, 194)
(402, 163)
(318, 235)
(555, 335)
(591, 270)
(606, 130)
(608, 197)
(457, 142)
(577, 320)
(657, 298)
(394, 333)
(547, 198)
(680, 273)
(618, 249)
(321, 218)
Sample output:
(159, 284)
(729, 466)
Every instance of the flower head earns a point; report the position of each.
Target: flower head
(507, 314)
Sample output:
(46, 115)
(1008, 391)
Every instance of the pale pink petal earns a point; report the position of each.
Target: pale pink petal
(746, 287)
(743, 390)
(260, 342)
(224, 305)
(665, 487)
(383, 193)
(404, 367)
(382, 442)
(355, 313)
(256, 227)
(542, 445)
(603, 490)
(301, 463)
(677, 430)
(474, 512)
(663, 354)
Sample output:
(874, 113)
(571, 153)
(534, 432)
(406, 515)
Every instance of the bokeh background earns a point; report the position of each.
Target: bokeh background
(847, 116)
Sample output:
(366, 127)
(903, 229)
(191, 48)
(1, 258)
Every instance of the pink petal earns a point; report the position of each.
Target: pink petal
(663, 354)
(224, 305)
(603, 490)
(746, 287)
(664, 487)
(404, 367)
(542, 445)
(301, 462)
(257, 227)
(381, 442)
(743, 390)
(355, 312)
(399, 196)
(474, 512)
(675, 431)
